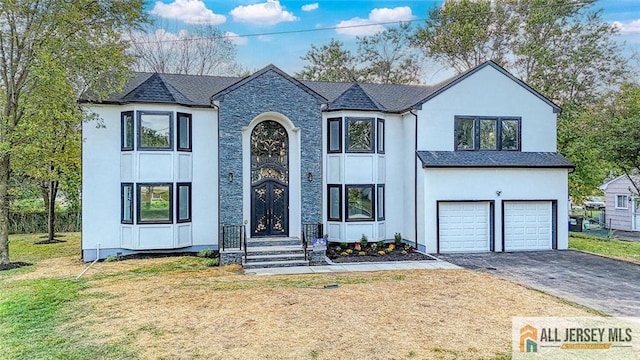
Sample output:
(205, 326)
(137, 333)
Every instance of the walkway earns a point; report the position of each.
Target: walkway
(355, 267)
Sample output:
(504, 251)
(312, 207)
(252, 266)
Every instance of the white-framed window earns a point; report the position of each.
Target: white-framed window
(622, 202)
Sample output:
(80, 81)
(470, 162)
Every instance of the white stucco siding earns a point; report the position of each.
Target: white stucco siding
(105, 167)
(487, 92)
(474, 184)
(101, 179)
(205, 176)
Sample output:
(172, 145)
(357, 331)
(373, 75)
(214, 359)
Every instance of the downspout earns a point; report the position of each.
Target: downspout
(90, 265)
(415, 180)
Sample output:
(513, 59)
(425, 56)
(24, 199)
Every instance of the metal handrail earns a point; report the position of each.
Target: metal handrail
(304, 242)
(231, 237)
(244, 242)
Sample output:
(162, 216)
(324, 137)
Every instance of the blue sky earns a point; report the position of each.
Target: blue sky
(266, 20)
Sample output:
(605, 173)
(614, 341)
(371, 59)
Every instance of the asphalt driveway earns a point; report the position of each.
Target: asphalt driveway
(603, 284)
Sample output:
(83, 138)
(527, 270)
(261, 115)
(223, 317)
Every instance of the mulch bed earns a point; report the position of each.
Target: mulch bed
(13, 265)
(337, 254)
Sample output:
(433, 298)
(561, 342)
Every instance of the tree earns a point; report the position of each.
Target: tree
(82, 37)
(619, 127)
(330, 62)
(388, 57)
(202, 51)
(466, 33)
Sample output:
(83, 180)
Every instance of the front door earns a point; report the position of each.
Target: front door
(269, 180)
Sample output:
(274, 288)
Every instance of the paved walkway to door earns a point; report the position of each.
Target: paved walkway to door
(600, 283)
(354, 267)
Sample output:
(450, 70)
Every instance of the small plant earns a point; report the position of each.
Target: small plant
(357, 246)
(344, 245)
(361, 253)
(391, 246)
(374, 247)
(338, 248)
(404, 252)
(388, 250)
(206, 253)
(381, 252)
(349, 251)
(398, 238)
(344, 253)
(111, 258)
(211, 262)
(364, 240)
(381, 244)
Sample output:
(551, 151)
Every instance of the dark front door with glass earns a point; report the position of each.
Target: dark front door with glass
(269, 180)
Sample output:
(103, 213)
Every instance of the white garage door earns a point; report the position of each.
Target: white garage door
(464, 226)
(527, 225)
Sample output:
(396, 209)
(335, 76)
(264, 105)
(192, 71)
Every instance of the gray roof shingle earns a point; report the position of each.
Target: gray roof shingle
(195, 90)
(517, 159)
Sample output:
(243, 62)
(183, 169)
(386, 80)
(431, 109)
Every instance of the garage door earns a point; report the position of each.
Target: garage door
(527, 225)
(463, 226)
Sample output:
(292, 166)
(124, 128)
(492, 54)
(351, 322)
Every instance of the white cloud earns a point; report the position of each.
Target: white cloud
(235, 38)
(268, 13)
(632, 27)
(310, 7)
(188, 11)
(371, 25)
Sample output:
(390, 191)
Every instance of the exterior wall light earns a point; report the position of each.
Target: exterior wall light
(310, 176)
(230, 177)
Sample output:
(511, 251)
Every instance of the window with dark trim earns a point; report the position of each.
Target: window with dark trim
(126, 131)
(126, 196)
(184, 132)
(334, 140)
(359, 135)
(380, 137)
(184, 202)
(380, 200)
(487, 133)
(359, 202)
(154, 203)
(155, 130)
(334, 203)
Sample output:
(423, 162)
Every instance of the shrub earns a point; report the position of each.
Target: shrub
(344, 245)
(381, 252)
(206, 253)
(364, 240)
(344, 253)
(211, 262)
(398, 238)
(361, 253)
(111, 258)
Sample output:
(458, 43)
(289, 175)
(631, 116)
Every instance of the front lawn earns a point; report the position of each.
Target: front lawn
(625, 250)
(178, 307)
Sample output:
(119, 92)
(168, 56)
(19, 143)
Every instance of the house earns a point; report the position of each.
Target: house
(622, 211)
(468, 165)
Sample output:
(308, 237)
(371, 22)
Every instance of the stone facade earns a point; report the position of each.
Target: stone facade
(269, 91)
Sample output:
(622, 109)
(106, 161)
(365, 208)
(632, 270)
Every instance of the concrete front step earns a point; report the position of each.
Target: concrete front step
(282, 241)
(274, 257)
(273, 264)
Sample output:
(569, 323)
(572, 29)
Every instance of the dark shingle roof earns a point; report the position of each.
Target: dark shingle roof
(441, 159)
(393, 98)
(190, 90)
(354, 98)
(194, 90)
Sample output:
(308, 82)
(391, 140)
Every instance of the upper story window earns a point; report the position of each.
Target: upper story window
(380, 137)
(127, 134)
(184, 132)
(360, 135)
(487, 133)
(334, 144)
(155, 130)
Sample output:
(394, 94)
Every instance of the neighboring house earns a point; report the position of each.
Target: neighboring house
(468, 165)
(622, 211)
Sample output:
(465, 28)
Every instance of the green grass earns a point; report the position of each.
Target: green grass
(627, 250)
(33, 314)
(23, 248)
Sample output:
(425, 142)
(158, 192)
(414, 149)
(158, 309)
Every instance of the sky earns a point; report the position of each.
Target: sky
(280, 32)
